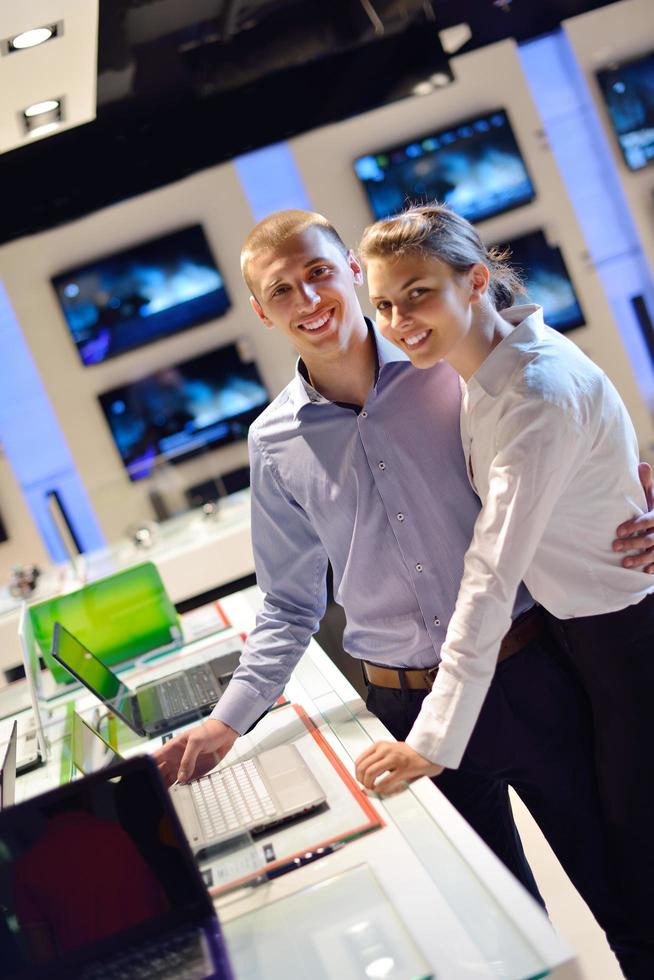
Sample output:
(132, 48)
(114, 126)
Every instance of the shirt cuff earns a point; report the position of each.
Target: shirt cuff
(442, 730)
(240, 706)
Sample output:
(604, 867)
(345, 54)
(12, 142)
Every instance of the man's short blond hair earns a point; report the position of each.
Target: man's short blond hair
(275, 230)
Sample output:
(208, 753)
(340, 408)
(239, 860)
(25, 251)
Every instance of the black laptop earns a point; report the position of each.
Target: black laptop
(157, 706)
(98, 883)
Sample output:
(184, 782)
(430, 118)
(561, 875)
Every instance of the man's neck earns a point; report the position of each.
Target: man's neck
(349, 375)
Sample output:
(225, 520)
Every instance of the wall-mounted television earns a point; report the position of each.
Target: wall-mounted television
(184, 409)
(547, 281)
(474, 166)
(131, 298)
(628, 91)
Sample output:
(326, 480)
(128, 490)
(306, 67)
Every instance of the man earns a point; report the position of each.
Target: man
(344, 469)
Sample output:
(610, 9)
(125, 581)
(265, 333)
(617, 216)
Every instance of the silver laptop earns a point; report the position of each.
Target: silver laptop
(8, 771)
(269, 789)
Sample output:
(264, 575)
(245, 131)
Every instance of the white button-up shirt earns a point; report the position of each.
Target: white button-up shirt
(553, 455)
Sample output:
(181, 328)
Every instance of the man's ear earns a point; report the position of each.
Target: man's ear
(256, 306)
(479, 277)
(355, 267)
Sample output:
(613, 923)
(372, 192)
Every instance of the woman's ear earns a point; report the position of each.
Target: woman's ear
(479, 278)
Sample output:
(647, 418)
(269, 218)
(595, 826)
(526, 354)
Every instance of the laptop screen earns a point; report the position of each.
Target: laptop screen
(86, 667)
(91, 868)
(8, 769)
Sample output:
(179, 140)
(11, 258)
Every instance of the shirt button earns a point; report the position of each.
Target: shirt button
(437, 621)
(418, 567)
(400, 517)
(364, 415)
(381, 464)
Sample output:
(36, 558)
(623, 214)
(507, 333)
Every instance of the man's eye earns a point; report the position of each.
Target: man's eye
(319, 270)
(279, 291)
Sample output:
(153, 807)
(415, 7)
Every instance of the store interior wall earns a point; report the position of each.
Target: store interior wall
(485, 79)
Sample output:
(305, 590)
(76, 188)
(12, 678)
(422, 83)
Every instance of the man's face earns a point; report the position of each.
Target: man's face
(307, 289)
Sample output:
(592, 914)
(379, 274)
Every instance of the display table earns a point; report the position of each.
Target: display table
(412, 892)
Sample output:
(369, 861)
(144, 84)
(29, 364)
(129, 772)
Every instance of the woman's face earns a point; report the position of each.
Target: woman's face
(422, 305)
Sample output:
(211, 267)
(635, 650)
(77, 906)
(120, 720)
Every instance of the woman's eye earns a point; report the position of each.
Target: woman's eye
(382, 306)
(415, 293)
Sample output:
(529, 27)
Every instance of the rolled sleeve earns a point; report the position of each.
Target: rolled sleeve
(538, 449)
(291, 568)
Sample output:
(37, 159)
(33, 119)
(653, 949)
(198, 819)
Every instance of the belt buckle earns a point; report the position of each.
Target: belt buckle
(430, 677)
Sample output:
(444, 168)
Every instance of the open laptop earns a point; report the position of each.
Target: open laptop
(8, 771)
(157, 706)
(32, 746)
(273, 787)
(99, 883)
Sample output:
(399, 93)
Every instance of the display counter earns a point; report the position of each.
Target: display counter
(403, 889)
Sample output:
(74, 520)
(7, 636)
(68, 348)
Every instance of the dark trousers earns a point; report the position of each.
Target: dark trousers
(533, 734)
(612, 656)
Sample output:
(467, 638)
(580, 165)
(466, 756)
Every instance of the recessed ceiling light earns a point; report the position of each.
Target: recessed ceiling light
(43, 130)
(40, 107)
(29, 39)
(423, 88)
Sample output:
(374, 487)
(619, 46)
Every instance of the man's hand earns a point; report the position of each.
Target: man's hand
(637, 535)
(194, 752)
(401, 762)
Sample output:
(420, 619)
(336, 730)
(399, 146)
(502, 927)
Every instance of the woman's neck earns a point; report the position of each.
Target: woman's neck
(487, 330)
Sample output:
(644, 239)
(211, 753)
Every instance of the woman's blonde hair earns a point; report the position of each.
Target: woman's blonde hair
(435, 230)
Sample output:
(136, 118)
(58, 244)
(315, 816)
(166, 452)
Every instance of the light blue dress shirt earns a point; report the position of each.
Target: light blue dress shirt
(383, 494)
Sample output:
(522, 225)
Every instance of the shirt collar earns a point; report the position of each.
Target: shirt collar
(303, 393)
(493, 375)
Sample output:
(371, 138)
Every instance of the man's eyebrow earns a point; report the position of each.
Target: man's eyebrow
(274, 282)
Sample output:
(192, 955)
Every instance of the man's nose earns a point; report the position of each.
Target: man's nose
(309, 297)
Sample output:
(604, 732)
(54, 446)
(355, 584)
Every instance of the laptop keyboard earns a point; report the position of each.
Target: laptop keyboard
(181, 695)
(172, 958)
(232, 798)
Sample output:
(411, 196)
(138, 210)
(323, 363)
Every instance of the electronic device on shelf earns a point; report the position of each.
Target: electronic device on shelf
(33, 747)
(118, 893)
(546, 280)
(149, 291)
(156, 706)
(627, 88)
(474, 166)
(184, 409)
(8, 770)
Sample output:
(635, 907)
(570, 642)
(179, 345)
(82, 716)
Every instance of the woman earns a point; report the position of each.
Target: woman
(552, 453)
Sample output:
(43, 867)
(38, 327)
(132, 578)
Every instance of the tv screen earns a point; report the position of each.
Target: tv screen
(547, 280)
(134, 297)
(181, 410)
(628, 91)
(475, 167)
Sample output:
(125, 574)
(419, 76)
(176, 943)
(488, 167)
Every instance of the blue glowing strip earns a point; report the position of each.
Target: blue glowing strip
(34, 443)
(271, 180)
(588, 169)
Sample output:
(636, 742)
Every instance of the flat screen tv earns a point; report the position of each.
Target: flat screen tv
(628, 91)
(547, 281)
(184, 409)
(474, 166)
(147, 292)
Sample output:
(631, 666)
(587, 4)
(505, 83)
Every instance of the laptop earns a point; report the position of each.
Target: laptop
(32, 747)
(99, 883)
(157, 706)
(272, 788)
(8, 770)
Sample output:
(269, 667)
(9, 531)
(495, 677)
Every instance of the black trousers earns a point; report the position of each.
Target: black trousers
(612, 656)
(533, 734)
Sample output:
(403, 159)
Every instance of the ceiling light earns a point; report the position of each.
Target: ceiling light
(29, 39)
(440, 78)
(453, 38)
(44, 129)
(423, 88)
(42, 117)
(40, 107)
(32, 38)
